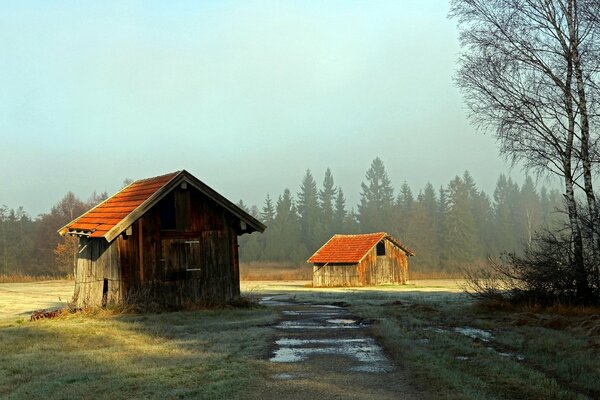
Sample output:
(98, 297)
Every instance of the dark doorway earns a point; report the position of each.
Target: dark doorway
(104, 292)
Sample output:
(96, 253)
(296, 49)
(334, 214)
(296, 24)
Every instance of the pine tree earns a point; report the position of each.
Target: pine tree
(403, 209)
(442, 229)
(327, 197)
(376, 199)
(284, 237)
(340, 214)
(309, 212)
(268, 212)
(506, 197)
(460, 225)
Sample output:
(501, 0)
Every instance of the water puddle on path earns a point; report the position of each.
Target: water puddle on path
(362, 350)
(311, 330)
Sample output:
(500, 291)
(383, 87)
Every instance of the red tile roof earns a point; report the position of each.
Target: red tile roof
(102, 218)
(351, 249)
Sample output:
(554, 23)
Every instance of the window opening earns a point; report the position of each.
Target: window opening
(192, 250)
(381, 248)
(167, 212)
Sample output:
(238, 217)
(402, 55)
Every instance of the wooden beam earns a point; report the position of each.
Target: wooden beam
(141, 249)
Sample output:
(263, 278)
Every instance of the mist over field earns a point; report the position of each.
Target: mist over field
(244, 96)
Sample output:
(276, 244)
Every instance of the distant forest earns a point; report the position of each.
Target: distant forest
(448, 227)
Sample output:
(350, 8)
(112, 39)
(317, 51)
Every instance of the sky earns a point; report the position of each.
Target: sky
(244, 95)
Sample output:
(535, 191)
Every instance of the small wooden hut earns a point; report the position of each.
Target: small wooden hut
(360, 260)
(169, 239)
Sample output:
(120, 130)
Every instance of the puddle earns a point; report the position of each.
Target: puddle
(313, 325)
(341, 321)
(519, 357)
(372, 368)
(474, 333)
(273, 301)
(325, 306)
(312, 313)
(284, 376)
(301, 342)
(362, 350)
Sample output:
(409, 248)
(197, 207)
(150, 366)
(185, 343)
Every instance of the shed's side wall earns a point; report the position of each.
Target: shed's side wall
(392, 268)
(335, 275)
(98, 269)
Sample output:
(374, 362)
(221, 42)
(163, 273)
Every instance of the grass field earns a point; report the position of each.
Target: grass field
(223, 353)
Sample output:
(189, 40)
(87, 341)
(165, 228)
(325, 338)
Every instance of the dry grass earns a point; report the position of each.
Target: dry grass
(422, 275)
(21, 278)
(211, 354)
(534, 353)
(274, 272)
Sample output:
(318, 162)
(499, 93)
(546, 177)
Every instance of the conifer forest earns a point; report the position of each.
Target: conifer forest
(448, 227)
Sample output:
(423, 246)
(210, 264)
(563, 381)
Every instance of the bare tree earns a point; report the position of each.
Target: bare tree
(529, 73)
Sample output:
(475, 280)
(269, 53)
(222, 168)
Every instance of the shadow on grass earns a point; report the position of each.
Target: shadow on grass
(209, 354)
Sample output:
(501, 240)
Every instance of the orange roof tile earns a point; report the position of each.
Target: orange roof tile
(102, 218)
(350, 249)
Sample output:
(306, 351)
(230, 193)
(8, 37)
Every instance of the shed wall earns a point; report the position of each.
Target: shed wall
(196, 261)
(392, 268)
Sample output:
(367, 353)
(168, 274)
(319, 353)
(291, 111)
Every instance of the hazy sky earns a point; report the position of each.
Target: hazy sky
(244, 95)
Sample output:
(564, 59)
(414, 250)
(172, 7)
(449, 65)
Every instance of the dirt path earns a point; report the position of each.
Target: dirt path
(321, 351)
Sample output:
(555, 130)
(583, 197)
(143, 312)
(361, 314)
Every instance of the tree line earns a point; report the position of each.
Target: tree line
(31, 246)
(449, 227)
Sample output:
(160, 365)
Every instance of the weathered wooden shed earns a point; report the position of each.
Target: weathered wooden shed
(169, 239)
(360, 260)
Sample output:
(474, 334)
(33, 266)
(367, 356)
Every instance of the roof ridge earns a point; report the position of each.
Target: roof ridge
(158, 176)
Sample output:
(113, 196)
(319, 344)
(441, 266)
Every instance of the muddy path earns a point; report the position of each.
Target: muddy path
(322, 351)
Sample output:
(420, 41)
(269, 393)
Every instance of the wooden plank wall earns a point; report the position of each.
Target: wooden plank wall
(165, 277)
(153, 263)
(97, 266)
(373, 270)
(335, 275)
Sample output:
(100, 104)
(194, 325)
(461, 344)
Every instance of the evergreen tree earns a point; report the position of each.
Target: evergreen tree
(284, 237)
(460, 225)
(403, 209)
(340, 213)
(327, 198)
(429, 200)
(376, 199)
(268, 212)
(442, 228)
(309, 212)
(506, 197)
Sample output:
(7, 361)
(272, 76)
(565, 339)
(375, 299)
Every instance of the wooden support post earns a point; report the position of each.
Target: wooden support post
(141, 249)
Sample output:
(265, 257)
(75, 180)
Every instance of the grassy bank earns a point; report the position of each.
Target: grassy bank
(455, 349)
(202, 354)
(214, 354)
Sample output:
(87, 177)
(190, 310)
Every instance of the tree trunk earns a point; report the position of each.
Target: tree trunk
(581, 283)
(584, 123)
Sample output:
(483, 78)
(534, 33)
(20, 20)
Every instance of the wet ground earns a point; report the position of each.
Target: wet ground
(322, 351)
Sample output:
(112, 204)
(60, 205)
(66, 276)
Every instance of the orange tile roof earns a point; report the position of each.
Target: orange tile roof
(102, 218)
(350, 249)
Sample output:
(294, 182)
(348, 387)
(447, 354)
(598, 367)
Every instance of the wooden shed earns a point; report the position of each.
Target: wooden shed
(360, 260)
(169, 239)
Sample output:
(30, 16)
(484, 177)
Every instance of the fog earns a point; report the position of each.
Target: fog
(244, 95)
